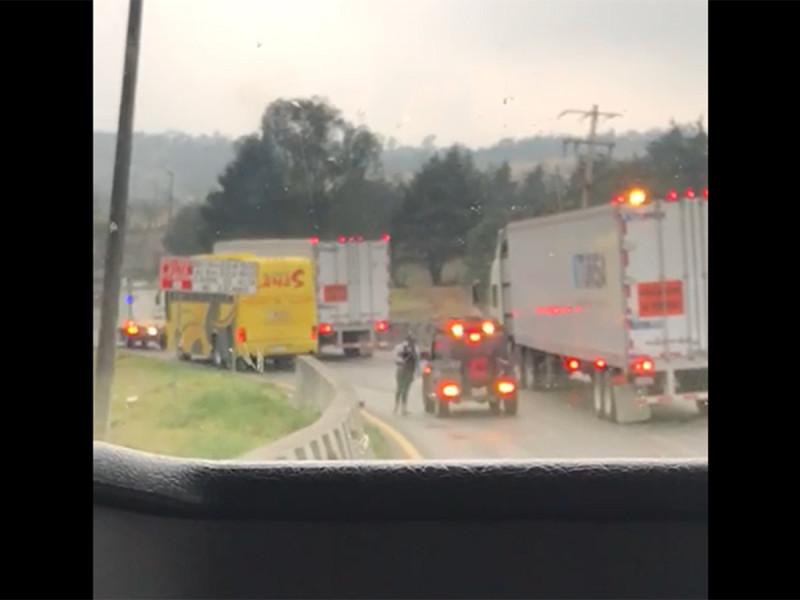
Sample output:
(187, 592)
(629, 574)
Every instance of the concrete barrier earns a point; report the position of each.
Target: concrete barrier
(339, 432)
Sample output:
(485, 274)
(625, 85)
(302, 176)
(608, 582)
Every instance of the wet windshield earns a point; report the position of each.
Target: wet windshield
(317, 190)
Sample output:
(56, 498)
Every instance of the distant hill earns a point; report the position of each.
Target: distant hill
(198, 160)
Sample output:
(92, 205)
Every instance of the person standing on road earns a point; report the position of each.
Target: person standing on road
(406, 359)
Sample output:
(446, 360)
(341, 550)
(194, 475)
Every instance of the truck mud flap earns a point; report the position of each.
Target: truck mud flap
(628, 407)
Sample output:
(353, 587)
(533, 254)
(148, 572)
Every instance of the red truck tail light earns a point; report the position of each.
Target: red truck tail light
(505, 387)
(132, 329)
(572, 364)
(448, 389)
(600, 364)
(381, 326)
(241, 335)
(457, 330)
(325, 329)
(488, 327)
(643, 365)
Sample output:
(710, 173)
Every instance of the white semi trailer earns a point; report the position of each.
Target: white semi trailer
(618, 293)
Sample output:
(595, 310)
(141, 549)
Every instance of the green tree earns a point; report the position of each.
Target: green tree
(188, 233)
(286, 179)
(444, 200)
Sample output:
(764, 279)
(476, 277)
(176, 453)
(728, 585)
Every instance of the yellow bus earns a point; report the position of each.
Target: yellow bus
(275, 324)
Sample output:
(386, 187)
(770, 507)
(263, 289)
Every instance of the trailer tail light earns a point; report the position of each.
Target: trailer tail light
(325, 329)
(572, 364)
(386, 237)
(488, 328)
(381, 326)
(457, 329)
(241, 335)
(637, 197)
(705, 193)
(671, 196)
(643, 365)
(448, 389)
(505, 387)
(599, 364)
(342, 239)
(688, 193)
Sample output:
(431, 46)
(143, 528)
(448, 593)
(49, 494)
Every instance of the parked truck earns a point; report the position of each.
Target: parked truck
(617, 294)
(240, 311)
(352, 286)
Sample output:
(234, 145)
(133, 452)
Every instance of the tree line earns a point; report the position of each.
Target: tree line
(310, 172)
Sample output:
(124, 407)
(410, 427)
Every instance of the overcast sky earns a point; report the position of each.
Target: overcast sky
(470, 71)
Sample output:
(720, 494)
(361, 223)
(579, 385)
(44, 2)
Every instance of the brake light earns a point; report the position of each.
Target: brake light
(488, 327)
(386, 237)
(314, 240)
(381, 326)
(241, 335)
(572, 364)
(449, 389)
(325, 328)
(474, 337)
(457, 329)
(672, 196)
(600, 364)
(643, 365)
(688, 193)
(427, 369)
(132, 329)
(505, 387)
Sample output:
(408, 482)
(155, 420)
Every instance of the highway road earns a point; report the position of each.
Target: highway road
(550, 425)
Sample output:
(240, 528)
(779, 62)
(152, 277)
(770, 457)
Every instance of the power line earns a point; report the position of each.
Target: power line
(594, 114)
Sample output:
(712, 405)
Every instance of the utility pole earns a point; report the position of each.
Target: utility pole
(106, 347)
(594, 114)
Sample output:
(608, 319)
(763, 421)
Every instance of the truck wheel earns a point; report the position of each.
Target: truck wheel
(702, 407)
(510, 406)
(494, 407)
(610, 404)
(533, 372)
(442, 409)
(599, 392)
(520, 370)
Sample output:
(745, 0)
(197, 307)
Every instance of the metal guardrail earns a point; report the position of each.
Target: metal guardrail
(339, 432)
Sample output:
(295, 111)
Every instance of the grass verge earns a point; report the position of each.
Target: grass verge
(187, 410)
